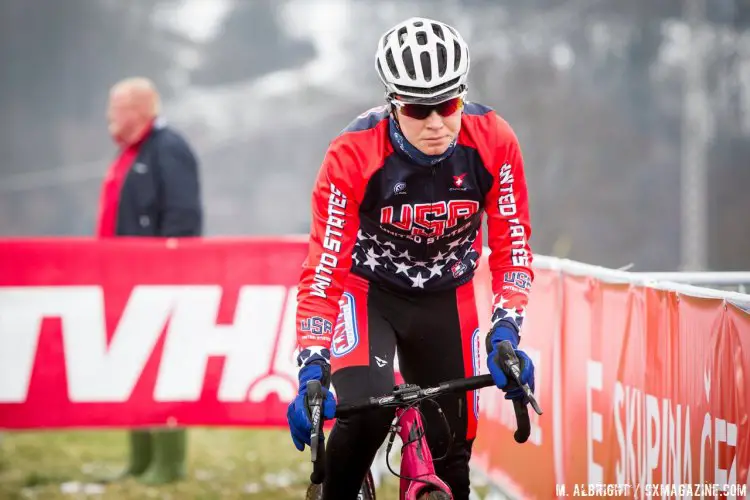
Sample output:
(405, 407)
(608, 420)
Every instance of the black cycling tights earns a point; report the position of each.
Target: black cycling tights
(437, 339)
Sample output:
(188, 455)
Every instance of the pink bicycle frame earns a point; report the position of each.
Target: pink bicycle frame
(416, 458)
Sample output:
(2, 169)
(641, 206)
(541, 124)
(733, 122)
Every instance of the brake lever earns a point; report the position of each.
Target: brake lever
(513, 366)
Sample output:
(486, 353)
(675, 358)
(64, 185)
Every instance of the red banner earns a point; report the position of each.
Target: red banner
(141, 333)
(645, 394)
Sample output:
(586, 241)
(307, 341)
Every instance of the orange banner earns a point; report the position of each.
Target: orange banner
(645, 394)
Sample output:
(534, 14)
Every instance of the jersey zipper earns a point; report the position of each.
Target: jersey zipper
(433, 171)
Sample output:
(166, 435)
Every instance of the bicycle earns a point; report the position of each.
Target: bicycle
(418, 480)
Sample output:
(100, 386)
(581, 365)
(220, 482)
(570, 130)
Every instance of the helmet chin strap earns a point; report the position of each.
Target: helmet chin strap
(399, 142)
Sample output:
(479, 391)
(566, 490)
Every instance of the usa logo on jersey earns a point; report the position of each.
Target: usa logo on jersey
(517, 279)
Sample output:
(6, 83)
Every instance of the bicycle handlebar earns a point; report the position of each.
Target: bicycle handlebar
(405, 394)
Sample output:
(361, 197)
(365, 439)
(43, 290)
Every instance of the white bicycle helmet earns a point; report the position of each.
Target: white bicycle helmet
(422, 60)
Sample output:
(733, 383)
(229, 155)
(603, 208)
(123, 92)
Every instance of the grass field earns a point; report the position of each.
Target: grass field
(222, 464)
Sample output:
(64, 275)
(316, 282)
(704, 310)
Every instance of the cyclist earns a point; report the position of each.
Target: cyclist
(397, 213)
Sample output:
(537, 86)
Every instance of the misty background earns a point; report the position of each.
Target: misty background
(612, 100)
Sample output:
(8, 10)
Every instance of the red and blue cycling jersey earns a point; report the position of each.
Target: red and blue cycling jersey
(416, 228)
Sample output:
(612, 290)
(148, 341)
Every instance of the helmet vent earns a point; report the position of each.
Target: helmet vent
(401, 36)
(438, 32)
(442, 59)
(409, 63)
(424, 60)
(391, 63)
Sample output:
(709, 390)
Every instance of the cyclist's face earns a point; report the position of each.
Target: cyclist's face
(431, 135)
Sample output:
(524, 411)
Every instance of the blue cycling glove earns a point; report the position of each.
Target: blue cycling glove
(315, 366)
(503, 331)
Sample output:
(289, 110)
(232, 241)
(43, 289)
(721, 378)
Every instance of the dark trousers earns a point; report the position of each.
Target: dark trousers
(437, 339)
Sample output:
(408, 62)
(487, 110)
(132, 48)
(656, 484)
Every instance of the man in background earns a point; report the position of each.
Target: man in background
(151, 189)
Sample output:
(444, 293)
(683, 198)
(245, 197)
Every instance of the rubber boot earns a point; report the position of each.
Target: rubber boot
(168, 457)
(141, 451)
(140, 443)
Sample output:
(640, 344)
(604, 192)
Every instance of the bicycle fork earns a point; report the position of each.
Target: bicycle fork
(417, 468)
